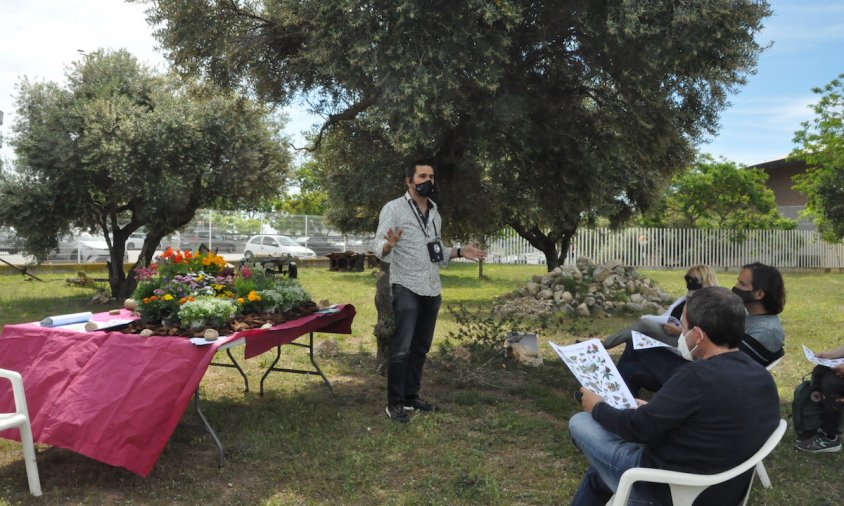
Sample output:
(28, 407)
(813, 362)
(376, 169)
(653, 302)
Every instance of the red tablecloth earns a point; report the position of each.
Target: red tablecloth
(116, 397)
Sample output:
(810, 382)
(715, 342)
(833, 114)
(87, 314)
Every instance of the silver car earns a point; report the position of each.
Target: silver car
(275, 245)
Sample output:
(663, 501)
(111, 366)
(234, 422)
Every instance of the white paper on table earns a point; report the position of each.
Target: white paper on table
(66, 319)
(334, 308)
(592, 366)
(101, 325)
(829, 362)
(201, 341)
(643, 342)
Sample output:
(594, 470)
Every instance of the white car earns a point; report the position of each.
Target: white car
(275, 245)
(84, 248)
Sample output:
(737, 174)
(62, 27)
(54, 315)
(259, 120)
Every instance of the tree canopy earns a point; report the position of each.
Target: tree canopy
(542, 115)
(718, 194)
(119, 147)
(821, 144)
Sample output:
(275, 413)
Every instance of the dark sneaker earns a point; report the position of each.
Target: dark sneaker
(819, 443)
(397, 413)
(419, 405)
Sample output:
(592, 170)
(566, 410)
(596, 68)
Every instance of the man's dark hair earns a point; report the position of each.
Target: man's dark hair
(769, 280)
(719, 313)
(410, 170)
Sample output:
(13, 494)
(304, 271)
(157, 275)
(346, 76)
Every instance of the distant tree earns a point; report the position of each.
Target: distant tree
(717, 194)
(309, 197)
(543, 115)
(821, 146)
(119, 147)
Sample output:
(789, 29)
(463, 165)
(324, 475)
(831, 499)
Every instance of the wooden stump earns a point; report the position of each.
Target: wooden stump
(384, 326)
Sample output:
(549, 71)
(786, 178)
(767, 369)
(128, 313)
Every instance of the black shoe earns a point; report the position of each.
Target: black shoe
(419, 405)
(397, 413)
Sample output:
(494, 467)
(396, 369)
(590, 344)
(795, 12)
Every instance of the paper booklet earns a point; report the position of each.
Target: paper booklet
(592, 366)
(829, 362)
(643, 342)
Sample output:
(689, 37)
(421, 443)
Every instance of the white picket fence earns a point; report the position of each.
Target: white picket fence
(680, 248)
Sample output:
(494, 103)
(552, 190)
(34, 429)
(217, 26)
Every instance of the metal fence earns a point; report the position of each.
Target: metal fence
(680, 248)
(228, 231)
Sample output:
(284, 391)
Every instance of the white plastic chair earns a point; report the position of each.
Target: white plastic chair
(20, 420)
(760, 467)
(685, 487)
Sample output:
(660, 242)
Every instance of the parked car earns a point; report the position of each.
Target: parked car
(84, 248)
(217, 242)
(321, 245)
(275, 245)
(135, 240)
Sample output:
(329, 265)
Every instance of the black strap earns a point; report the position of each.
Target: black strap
(420, 217)
(758, 352)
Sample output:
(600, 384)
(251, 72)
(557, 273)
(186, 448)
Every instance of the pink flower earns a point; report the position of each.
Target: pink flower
(245, 272)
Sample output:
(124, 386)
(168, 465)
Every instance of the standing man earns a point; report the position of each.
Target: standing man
(409, 239)
(712, 414)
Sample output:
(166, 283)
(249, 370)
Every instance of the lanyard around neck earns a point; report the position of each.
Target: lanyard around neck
(418, 213)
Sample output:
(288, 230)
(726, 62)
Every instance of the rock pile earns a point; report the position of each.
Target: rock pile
(586, 289)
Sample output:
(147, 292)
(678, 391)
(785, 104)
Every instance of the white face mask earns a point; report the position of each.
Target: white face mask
(683, 346)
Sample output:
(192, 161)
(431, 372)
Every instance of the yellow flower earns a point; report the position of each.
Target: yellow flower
(206, 261)
(253, 296)
(167, 297)
(240, 300)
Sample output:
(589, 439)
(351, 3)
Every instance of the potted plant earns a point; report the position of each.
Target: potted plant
(206, 310)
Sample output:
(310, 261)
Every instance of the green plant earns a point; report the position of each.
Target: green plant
(484, 329)
(284, 296)
(212, 310)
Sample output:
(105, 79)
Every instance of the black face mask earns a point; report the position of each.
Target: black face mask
(692, 283)
(746, 296)
(426, 189)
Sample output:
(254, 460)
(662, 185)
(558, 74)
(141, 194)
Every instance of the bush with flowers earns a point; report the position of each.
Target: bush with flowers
(183, 286)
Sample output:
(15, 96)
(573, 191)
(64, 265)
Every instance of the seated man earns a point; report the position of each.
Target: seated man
(762, 290)
(831, 381)
(711, 415)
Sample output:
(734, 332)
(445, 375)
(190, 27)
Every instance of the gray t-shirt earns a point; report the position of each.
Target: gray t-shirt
(767, 329)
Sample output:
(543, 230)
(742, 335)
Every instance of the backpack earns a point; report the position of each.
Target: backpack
(807, 407)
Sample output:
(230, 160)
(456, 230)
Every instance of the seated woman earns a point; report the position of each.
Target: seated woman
(762, 290)
(831, 381)
(666, 327)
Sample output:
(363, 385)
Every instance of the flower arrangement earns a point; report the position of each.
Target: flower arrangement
(184, 287)
(203, 310)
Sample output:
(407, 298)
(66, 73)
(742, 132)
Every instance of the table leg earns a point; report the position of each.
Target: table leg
(235, 365)
(220, 450)
(310, 347)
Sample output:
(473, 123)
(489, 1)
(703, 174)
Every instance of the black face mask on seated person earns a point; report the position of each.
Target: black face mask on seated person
(746, 296)
(692, 283)
(426, 189)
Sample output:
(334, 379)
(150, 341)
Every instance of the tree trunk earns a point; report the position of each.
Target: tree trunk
(384, 325)
(547, 243)
(116, 276)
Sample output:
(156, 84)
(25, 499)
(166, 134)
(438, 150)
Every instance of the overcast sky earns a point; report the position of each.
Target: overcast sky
(40, 38)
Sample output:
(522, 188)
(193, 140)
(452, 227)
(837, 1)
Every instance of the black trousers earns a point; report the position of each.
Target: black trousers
(832, 387)
(415, 317)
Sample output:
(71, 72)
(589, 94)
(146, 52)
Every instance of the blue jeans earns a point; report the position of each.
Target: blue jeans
(609, 456)
(415, 317)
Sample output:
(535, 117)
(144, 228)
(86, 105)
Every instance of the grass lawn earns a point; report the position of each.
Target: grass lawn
(501, 437)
